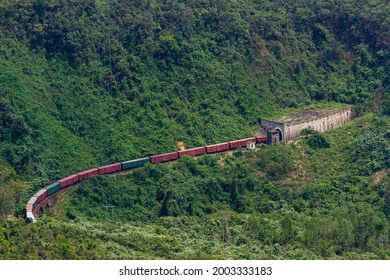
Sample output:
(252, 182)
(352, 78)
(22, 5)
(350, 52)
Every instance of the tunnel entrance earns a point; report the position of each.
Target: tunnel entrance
(274, 136)
(280, 133)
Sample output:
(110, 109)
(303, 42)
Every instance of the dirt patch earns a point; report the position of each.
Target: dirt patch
(221, 161)
(378, 176)
(10, 217)
(260, 134)
(300, 175)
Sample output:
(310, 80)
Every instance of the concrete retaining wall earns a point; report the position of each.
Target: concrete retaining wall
(291, 131)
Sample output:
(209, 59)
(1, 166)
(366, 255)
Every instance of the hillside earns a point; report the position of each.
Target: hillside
(294, 201)
(85, 83)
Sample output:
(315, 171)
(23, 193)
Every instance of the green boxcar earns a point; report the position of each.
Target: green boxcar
(53, 188)
(134, 163)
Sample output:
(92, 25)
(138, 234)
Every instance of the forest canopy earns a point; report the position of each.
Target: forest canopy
(88, 83)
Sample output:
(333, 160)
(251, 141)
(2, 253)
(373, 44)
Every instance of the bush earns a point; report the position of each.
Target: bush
(277, 161)
(315, 139)
(371, 151)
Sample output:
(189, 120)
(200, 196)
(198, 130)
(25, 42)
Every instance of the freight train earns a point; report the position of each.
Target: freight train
(50, 190)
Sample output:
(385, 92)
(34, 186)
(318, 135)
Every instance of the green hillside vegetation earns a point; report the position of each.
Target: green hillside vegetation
(277, 202)
(87, 83)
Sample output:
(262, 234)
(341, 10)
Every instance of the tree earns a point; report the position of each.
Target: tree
(386, 206)
(289, 231)
(166, 209)
(7, 200)
(315, 139)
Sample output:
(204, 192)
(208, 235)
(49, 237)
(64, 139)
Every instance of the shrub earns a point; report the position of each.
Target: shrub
(315, 139)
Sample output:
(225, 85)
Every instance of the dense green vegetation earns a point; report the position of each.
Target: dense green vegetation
(85, 83)
(277, 202)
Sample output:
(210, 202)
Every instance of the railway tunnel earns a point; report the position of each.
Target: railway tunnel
(290, 127)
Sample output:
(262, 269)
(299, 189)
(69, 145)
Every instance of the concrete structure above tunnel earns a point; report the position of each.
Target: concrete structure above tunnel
(289, 127)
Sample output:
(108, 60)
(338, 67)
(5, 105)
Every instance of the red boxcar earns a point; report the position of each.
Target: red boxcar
(41, 195)
(262, 139)
(88, 173)
(217, 148)
(68, 180)
(192, 152)
(164, 157)
(110, 168)
(241, 143)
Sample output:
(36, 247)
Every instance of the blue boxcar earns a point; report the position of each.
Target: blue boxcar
(52, 188)
(135, 163)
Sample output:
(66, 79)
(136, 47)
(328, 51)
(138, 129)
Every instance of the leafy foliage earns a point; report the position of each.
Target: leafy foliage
(371, 150)
(84, 83)
(222, 206)
(315, 139)
(123, 80)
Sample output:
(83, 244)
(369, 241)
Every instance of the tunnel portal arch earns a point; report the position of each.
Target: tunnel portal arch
(280, 133)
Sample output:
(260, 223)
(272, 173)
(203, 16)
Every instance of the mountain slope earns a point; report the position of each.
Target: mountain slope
(93, 82)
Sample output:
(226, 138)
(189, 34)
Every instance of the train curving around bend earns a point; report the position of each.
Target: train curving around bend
(36, 203)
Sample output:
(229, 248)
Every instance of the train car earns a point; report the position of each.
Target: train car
(240, 143)
(262, 139)
(29, 207)
(31, 204)
(164, 157)
(52, 188)
(30, 216)
(134, 163)
(217, 148)
(67, 181)
(88, 173)
(192, 152)
(110, 168)
(40, 195)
